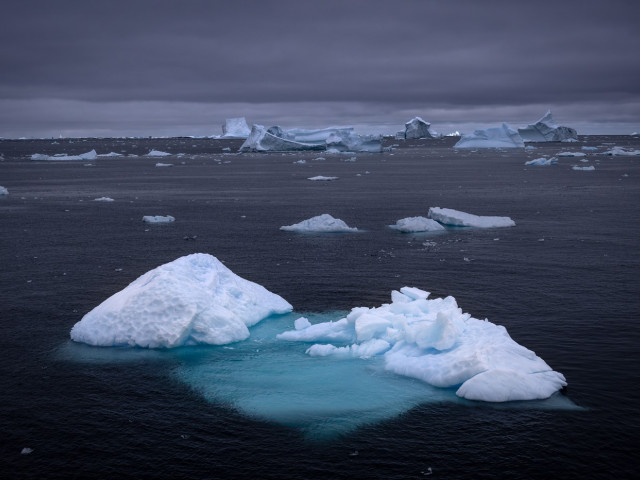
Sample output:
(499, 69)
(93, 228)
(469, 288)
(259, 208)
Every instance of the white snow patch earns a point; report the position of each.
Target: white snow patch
(570, 154)
(584, 169)
(164, 164)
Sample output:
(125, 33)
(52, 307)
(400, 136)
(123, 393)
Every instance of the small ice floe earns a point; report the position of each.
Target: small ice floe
(621, 152)
(350, 159)
(111, 154)
(569, 140)
(26, 451)
(570, 154)
(157, 153)
(4, 191)
(159, 164)
(226, 149)
(354, 453)
(448, 216)
(319, 159)
(584, 169)
(320, 178)
(530, 147)
(92, 155)
(103, 199)
(417, 224)
(589, 149)
(158, 219)
(322, 223)
(542, 162)
(301, 161)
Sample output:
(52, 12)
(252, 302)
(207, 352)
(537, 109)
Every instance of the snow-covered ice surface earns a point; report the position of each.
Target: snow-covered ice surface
(494, 137)
(158, 219)
(90, 155)
(546, 130)
(417, 224)
(542, 162)
(324, 223)
(448, 216)
(433, 341)
(192, 300)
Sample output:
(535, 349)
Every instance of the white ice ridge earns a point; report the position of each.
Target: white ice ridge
(417, 224)
(418, 128)
(546, 130)
(542, 162)
(433, 341)
(157, 153)
(322, 223)
(63, 156)
(494, 137)
(4, 191)
(621, 152)
(235, 128)
(192, 300)
(448, 216)
(275, 139)
(158, 219)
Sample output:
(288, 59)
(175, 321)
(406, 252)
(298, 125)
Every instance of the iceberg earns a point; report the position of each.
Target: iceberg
(158, 219)
(621, 152)
(235, 128)
(546, 130)
(352, 142)
(192, 300)
(157, 153)
(111, 154)
(92, 155)
(320, 178)
(103, 199)
(417, 224)
(322, 223)
(590, 168)
(319, 136)
(432, 340)
(494, 137)
(159, 164)
(448, 216)
(542, 162)
(570, 154)
(274, 139)
(4, 191)
(418, 128)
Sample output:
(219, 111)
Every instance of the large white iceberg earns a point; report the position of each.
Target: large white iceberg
(433, 341)
(448, 216)
(192, 300)
(418, 128)
(546, 130)
(235, 128)
(91, 155)
(417, 224)
(321, 223)
(494, 137)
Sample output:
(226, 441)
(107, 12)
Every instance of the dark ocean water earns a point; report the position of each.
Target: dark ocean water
(564, 282)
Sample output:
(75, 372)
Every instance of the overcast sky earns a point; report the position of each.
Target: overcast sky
(142, 67)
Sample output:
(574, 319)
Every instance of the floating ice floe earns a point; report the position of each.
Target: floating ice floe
(589, 149)
(494, 137)
(322, 223)
(111, 154)
(546, 130)
(418, 128)
(570, 154)
(621, 152)
(542, 162)
(92, 155)
(4, 191)
(192, 300)
(164, 164)
(103, 199)
(448, 216)
(584, 169)
(235, 128)
(320, 178)
(433, 341)
(417, 224)
(157, 153)
(158, 219)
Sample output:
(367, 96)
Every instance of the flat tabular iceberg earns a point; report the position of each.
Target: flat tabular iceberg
(192, 300)
(546, 130)
(92, 155)
(417, 224)
(433, 341)
(235, 128)
(494, 137)
(321, 223)
(448, 216)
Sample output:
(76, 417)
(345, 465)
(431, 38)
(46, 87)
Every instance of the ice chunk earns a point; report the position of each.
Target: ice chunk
(352, 142)
(158, 219)
(546, 130)
(433, 341)
(103, 199)
(4, 191)
(111, 154)
(542, 162)
(320, 178)
(91, 155)
(157, 153)
(448, 216)
(192, 300)
(570, 154)
(417, 224)
(584, 169)
(320, 223)
(235, 128)
(621, 152)
(494, 137)
(159, 164)
(589, 149)
(418, 128)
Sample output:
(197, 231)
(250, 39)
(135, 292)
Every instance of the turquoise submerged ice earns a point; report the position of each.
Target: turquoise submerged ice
(192, 300)
(433, 341)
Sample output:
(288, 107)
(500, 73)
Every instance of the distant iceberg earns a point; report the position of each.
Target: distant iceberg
(494, 137)
(158, 219)
(322, 223)
(417, 224)
(274, 139)
(235, 128)
(191, 300)
(570, 154)
(103, 199)
(448, 216)
(590, 168)
(621, 152)
(542, 162)
(92, 155)
(157, 153)
(418, 128)
(352, 142)
(433, 341)
(546, 130)
(4, 191)
(111, 154)
(320, 178)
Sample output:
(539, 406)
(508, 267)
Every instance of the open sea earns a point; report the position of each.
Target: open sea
(564, 282)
